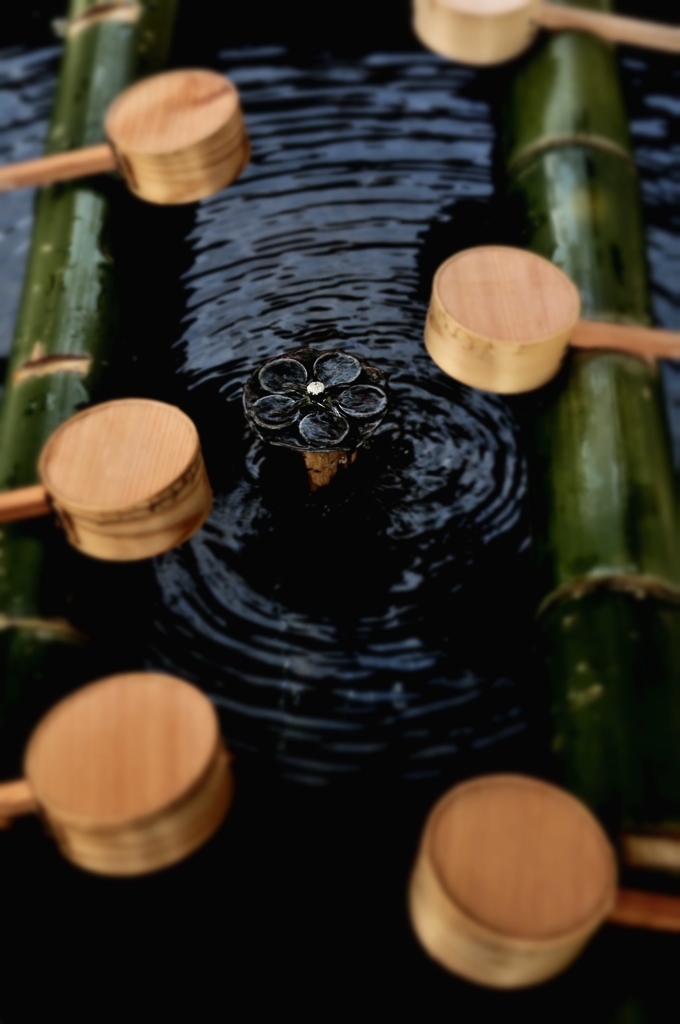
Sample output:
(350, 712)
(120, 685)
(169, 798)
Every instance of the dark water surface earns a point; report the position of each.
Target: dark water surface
(386, 630)
(27, 81)
(652, 88)
(347, 631)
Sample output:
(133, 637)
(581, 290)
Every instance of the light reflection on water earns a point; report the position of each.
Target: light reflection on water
(343, 634)
(27, 79)
(347, 634)
(653, 98)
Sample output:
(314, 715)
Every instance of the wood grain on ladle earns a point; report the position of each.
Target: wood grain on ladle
(118, 454)
(126, 479)
(500, 318)
(130, 774)
(180, 136)
(75, 163)
(483, 860)
(650, 343)
(512, 878)
(507, 294)
(119, 750)
(175, 137)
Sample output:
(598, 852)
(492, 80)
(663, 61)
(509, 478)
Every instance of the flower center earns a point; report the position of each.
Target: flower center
(315, 387)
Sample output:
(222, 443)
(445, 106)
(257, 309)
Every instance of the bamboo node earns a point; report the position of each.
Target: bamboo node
(583, 139)
(52, 629)
(124, 11)
(641, 587)
(579, 699)
(651, 850)
(43, 366)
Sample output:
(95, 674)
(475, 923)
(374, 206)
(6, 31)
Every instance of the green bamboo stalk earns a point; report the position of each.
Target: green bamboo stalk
(604, 510)
(68, 309)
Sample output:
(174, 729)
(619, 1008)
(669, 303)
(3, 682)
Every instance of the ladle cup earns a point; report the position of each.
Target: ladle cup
(126, 479)
(129, 774)
(501, 319)
(175, 138)
(483, 32)
(512, 879)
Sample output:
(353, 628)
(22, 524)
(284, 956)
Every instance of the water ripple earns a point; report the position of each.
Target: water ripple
(653, 88)
(356, 612)
(27, 79)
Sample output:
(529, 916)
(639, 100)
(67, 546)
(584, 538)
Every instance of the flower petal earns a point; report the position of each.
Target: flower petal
(275, 411)
(336, 368)
(363, 401)
(284, 374)
(322, 428)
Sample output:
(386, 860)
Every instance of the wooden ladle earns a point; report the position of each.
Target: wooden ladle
(175, 138)
(501, 319)
(129, 774)
(492, 31)
(512, 879)
(126, 479)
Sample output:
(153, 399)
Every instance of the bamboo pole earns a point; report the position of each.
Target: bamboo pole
(604, 507)
(66, 323)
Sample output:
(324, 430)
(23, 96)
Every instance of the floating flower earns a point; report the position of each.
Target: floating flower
(315, 401)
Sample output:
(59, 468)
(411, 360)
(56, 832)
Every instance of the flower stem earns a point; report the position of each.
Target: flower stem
(322, 467)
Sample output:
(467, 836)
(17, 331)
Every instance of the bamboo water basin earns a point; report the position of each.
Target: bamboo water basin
(353, 878)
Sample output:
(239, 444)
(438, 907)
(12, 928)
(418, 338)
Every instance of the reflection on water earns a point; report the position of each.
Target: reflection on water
(348, 629)
(653, 99)
(384, 624)
(27, 79)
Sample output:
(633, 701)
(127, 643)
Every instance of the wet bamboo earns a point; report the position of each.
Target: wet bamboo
(604, 507)
(66, 323)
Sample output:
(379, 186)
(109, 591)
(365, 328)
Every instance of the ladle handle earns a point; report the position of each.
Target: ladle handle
(16, 798)
(613, 27)
(76, 163)
(637, 909)
(24, 503)
(642, 341)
